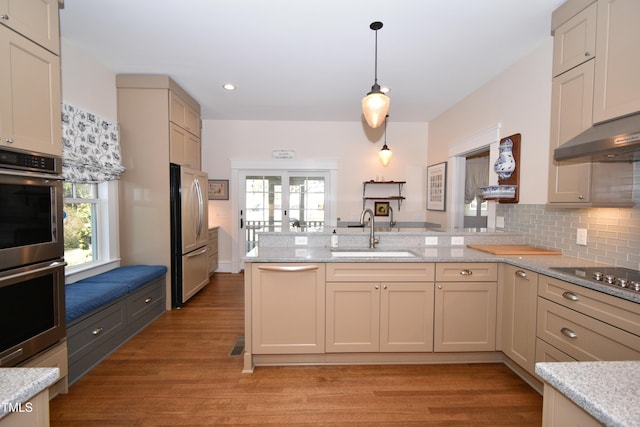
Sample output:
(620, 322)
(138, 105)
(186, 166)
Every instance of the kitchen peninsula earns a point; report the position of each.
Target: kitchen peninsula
(425, 297)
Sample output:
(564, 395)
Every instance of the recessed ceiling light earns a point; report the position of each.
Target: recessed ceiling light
(229, 86)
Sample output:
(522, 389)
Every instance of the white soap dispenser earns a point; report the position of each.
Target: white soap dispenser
(334, 239)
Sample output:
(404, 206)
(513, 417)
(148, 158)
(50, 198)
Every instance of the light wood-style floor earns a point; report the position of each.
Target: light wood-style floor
(178, 372)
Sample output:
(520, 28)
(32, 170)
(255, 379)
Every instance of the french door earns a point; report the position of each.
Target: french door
(281, 201)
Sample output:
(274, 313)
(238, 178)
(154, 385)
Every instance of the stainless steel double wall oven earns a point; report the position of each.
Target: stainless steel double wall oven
(32, 301)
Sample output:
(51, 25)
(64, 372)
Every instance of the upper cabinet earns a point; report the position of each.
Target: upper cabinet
(183, 114)
(617, 80)
(29, 80)
(574, 42)
(580, 93)
(37, 20)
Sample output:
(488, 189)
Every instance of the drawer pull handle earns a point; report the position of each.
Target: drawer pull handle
(569, 333)
(521, 273)
(466, 272)
(570, 296)
(288, 268)
(148, 300)
(97, 331)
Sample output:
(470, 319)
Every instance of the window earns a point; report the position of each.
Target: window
(90, 227)
(80, 216)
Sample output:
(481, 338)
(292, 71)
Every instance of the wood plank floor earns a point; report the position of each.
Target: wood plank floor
(178, 372)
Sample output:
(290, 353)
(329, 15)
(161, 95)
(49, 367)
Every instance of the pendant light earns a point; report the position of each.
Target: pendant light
(385, 154)
(376, 104)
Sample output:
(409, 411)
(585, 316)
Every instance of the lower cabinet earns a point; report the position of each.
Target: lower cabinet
(517, 299)
(559, 411)
(288, 308)
(586, 325)
(386, 316)
(465, 309)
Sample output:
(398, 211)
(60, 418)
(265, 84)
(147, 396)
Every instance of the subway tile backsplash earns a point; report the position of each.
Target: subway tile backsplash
(613, 235)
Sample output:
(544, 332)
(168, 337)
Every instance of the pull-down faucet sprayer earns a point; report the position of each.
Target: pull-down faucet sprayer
(372, 236)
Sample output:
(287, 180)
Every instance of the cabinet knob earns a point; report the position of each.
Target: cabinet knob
(97, 331)
(10, 140)
(581, 197)
(148, 300)
(377, 287)
(587, 53)
(4, 17)
(439, 286)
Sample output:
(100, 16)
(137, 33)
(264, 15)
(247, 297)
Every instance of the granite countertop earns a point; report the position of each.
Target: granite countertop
(538, 263)
(18, 385)
(609, 391)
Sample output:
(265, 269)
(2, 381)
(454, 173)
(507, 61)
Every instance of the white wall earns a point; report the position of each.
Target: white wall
(520, 100)
(87, 83)
(352, 145)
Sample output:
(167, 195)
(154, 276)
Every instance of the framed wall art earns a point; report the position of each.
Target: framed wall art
(381, 208)
(218, 189)
(437, 187)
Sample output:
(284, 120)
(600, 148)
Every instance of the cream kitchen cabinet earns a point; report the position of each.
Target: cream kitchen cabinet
(37, 20)
(585, 324)
(212, 249)
(617, 81)
(379, 307)
(30, 103)
(580, 184)
(183, 114)
(574, 42)
(465, 307)
(145, 142)
(518, 296)
(184, 147)
(287, 308)
(559, 411)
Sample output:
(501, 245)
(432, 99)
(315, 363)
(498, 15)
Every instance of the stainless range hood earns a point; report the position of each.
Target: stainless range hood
(614, 141)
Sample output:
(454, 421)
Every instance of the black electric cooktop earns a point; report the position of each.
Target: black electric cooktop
(614, 276)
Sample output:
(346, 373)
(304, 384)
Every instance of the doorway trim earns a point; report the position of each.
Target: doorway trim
(245, 166)
(486, 138)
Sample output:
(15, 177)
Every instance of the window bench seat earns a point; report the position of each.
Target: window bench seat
(105, 311)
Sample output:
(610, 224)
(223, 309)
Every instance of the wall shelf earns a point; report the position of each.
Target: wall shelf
(399, 198)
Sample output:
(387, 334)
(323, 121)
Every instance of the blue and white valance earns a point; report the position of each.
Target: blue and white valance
(90, 147)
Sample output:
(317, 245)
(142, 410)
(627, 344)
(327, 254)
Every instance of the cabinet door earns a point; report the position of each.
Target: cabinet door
(406, 317)
(288, 308)
(30, 102)
(192, 151)
(177, 138)
(37, 20)
(571, 110)
(559, 411)
(574, 42)
(353, 317)
(465, 316)
(617, 80)
(183, 115)
(519, 293)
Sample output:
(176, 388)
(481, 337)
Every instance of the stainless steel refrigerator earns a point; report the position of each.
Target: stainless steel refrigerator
(189, 224)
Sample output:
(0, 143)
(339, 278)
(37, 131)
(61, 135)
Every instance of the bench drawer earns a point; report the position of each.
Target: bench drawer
(145, 305)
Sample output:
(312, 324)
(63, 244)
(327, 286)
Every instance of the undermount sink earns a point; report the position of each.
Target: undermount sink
(372, 253)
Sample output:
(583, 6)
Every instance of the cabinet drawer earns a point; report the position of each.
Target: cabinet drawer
(616, 311)
(381, 272)
(144, 305)
(547, 353)
(466, 272)
(582, 337)
(96, 328)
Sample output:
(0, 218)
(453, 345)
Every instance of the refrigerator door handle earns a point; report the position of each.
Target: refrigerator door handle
(200, 208)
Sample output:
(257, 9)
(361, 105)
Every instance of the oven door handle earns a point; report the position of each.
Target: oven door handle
(54, 264)
(47, 176)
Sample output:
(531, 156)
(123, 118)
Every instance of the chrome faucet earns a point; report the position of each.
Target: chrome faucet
(391, 221)
(372, 236)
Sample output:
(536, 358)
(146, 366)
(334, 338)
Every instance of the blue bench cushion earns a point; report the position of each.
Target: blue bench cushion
(94, 292)
(82, 298)
(133, 276)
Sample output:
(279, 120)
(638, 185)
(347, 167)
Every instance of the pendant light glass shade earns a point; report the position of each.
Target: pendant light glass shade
(375, 105)
(385, 154)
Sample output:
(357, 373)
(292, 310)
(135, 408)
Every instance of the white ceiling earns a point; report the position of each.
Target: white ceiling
(311, 59)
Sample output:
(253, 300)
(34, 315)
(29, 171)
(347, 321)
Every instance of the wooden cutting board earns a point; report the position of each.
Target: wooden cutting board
(514, 250)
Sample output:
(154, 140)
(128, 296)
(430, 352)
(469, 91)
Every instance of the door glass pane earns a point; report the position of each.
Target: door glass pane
(306, 203)
(263, 195)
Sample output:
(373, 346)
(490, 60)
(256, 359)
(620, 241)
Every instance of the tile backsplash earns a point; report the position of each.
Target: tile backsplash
(613, 234)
